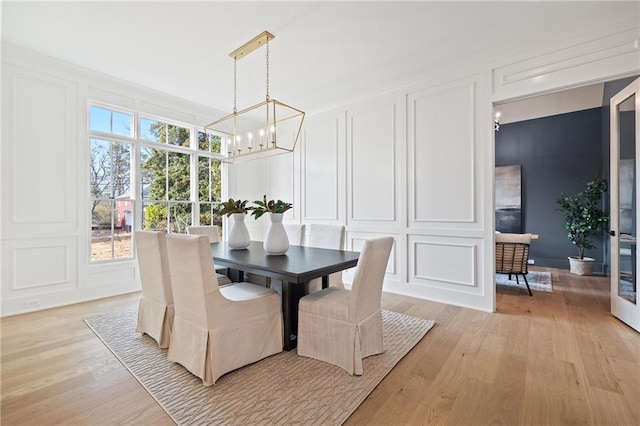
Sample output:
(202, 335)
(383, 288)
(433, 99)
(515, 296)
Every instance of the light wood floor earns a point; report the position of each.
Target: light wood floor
(553, 359)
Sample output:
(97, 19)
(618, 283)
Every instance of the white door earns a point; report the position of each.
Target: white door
(625, 205)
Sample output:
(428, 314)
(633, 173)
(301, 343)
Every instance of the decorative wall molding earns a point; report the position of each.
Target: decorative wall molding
(442, 149)
(43, 134)
(53, 261)
(441, 261)
(372, 174)
(580, 61)
(355, 241)
(320, 168)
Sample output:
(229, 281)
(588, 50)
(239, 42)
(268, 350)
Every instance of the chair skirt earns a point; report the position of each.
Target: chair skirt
(340, 342)
(210, 353)
(156, 320)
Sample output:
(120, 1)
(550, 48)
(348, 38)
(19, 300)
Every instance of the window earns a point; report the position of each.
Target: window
(178, 179)
(209, 180)
(110, 184)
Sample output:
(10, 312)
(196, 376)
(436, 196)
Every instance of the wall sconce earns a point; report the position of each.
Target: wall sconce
(496, 122)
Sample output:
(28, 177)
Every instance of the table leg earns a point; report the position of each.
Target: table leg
(291, 294)
(325, 281)
(236, 275)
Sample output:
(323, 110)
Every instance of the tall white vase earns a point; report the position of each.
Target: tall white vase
(276, 241)
(239, 234)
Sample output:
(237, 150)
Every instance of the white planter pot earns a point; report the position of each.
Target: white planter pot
(579, 266)
(239, 234)
(276, 242)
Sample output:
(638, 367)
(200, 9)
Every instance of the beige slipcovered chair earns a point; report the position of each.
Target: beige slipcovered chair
(217, 330)
(213, 233)
(329, 237)
(342, 326)
(155, 311)
(295, 233)
(512, 255)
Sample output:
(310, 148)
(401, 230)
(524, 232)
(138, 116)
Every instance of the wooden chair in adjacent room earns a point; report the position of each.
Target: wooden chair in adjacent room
(213, 232)
(217, 329)
(155, 311)
(342, 326)
(512, 255)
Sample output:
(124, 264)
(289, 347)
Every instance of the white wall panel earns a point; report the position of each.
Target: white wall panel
(101, 276)
(52, 266)
(281, 181)
(442, 138)
(320, 166)
(43, 119)
(36, 266)
(574, 61)
(372, 162)
(355, 241)
(444, 262)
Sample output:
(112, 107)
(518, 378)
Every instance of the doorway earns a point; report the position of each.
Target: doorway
(560, 141)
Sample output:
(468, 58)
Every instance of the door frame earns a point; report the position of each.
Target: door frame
(623, 309)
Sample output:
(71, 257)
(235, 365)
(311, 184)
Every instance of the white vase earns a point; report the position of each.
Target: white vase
(239, 234)
(276, 241)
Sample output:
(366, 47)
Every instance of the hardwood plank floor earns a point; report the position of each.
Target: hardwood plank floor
(551, 359)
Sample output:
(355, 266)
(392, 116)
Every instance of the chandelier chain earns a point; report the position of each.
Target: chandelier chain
(235, 85)
(267, 70)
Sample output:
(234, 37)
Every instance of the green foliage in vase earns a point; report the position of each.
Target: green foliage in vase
(271, 206)
(234, 206)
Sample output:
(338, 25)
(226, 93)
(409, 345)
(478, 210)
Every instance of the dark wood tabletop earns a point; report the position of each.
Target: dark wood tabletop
(295, 269)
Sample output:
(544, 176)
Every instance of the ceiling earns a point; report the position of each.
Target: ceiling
(324, 53)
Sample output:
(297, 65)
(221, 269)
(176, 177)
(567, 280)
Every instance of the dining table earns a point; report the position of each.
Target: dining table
(295, 268)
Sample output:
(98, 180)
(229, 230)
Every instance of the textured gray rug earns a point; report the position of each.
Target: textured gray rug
(540, 281)
(282, 389)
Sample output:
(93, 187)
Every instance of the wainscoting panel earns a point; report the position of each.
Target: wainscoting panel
(442, 146)
(372, 138)
(321, 168)
(355, 241)
(443, 262)
(41, 132)
(42, 263)
(99, 276)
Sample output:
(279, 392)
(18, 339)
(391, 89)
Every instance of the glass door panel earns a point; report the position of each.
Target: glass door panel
(624, 204)
(627, 199)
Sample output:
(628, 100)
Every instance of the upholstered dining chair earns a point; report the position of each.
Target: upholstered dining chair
(512, 255)
(329, 237)
(217, 330)
(155, 311)
(342, 326)
(295, 233)
(213, 232)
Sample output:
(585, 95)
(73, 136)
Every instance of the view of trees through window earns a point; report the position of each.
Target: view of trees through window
(165, 175)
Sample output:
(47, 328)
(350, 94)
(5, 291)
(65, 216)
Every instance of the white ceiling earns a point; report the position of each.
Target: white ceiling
(324, 53)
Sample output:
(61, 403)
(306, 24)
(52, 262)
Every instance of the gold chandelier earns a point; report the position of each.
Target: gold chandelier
(262, 130)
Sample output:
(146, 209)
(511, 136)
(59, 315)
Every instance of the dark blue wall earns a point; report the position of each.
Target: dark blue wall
(557, 154)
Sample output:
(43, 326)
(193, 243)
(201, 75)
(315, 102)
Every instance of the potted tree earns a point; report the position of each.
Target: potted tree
(276, 242)
(584, 220)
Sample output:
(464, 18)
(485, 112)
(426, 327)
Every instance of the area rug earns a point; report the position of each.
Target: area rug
(539, 281)
(282, 389)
